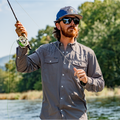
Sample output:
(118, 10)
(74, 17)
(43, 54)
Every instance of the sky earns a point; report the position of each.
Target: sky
(33, 14)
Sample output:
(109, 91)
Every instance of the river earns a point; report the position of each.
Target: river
(98, 109)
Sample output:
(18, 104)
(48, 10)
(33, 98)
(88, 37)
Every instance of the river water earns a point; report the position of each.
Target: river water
(98, 109)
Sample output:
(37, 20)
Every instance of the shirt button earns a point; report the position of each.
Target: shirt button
(62, 74)
(50, 61)
(62, 86)
(61, 98)
(66, 51)
(63, 51)
(61, 110)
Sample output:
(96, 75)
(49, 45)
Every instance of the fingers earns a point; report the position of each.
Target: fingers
(83, 79)
(20, 30)
(80, 74)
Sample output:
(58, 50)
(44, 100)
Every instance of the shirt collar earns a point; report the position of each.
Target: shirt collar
(72, 45)
(59, 44)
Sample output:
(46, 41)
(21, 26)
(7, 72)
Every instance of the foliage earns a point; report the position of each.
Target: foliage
(100, 31)
(12, 76)
(2, 81)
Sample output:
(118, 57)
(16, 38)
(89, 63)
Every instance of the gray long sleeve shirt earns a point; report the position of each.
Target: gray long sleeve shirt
(63, 93)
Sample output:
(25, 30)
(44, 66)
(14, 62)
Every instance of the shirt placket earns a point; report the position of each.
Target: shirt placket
(62, 83)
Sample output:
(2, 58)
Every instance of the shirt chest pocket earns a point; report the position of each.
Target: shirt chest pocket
(80, 65)
(51, 64)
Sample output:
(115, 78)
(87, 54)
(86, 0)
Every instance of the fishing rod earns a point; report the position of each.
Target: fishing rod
(22, 40)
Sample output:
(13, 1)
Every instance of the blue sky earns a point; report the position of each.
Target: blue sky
(33, 14)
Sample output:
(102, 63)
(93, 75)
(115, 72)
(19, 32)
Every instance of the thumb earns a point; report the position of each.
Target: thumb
(75, 69)
(75, 73)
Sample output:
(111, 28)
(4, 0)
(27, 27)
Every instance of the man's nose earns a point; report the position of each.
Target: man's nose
(72, 22)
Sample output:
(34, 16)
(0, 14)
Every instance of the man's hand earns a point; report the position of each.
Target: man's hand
(81, 75)
(20, 30)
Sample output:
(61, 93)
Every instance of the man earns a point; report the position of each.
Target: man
(67, 68)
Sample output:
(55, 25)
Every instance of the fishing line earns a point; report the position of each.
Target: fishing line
(9, 77)
(28, 14)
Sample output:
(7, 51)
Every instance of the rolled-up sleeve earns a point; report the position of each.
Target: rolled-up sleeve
(25, 63)
(95, 78)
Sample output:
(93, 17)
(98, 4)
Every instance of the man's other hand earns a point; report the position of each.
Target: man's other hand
(81, 75)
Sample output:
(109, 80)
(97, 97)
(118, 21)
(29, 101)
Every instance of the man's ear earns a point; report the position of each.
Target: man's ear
(58, 26)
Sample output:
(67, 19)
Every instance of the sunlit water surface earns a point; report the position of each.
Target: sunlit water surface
(98, 109)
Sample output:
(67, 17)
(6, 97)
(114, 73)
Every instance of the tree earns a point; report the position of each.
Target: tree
(3, 83)
(12, 76)
(100, 31)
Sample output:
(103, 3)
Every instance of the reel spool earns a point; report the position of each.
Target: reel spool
(22, 41)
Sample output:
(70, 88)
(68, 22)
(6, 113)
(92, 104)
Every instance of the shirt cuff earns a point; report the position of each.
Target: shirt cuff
(21, 51)
(89, 82)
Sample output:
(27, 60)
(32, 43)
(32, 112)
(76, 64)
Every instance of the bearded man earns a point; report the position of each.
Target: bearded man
(67, 68)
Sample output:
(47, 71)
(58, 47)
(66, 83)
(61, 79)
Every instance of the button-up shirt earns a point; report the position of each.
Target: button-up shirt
(63, 93)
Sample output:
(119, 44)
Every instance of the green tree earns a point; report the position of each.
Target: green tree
(12, 76)
(99, 30)
(3, 83)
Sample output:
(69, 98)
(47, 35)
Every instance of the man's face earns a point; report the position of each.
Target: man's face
(69, 30)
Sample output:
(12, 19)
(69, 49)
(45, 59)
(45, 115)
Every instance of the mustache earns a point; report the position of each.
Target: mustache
(72, 26)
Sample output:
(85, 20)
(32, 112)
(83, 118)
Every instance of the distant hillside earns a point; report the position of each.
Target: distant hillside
(4, 60)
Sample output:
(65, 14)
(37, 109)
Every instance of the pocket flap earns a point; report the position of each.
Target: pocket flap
(79, 63)
(51, 60)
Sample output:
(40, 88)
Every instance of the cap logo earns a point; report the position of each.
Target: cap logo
(71, 11)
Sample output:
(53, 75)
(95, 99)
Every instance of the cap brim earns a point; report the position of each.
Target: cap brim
(77, 15)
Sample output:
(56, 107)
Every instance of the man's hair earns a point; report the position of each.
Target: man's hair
(56, 33)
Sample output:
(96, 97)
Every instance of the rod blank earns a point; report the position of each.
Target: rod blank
(12, 10)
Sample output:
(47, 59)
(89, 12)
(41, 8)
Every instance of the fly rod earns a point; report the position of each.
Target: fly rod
(22, 39)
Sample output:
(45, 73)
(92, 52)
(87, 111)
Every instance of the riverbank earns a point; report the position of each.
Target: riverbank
(33, 95)
(30, 95)
(106, 92)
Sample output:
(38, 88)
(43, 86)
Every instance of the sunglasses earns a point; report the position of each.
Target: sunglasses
(68, 20)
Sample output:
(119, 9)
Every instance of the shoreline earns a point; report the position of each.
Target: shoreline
(30, 95)
(33, 95)
(106, 92)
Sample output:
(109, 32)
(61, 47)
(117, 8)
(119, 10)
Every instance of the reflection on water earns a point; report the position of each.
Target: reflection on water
(104, 108)
(98, 109)
(20, 109)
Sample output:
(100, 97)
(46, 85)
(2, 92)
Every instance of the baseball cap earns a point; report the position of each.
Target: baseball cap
(68, 10)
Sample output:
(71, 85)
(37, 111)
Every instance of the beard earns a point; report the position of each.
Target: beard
(70, 32)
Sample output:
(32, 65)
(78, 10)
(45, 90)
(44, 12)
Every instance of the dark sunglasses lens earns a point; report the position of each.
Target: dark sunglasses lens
(66, 20)
(76, 21)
